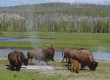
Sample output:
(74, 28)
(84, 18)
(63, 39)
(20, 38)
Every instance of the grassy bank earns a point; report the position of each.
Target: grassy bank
(92, 41)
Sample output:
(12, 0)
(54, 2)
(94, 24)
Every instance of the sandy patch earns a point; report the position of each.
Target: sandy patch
(3, 58)
(40, 67)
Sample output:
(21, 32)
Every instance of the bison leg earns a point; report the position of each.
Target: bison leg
(63, 59)
(46, 62)
(18, 68)
(76, 70)
(72, 69)
(69, 66)
(31, 60)
(52, 59)
(38, 61)
(66, 59)
(82, 66)
(12, 68)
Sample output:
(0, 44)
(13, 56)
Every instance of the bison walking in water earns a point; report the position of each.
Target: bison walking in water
(84, 57)
(42, 54)
(16, 58)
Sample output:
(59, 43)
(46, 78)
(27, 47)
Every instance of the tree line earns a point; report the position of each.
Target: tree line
(57, 17)
(31, 25)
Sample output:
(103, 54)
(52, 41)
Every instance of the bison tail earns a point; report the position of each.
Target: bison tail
(92, 57)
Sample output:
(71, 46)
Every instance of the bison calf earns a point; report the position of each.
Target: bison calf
(74, 66)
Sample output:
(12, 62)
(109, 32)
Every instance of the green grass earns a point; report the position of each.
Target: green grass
(102, 73)
(27, 74)
(92, 41)
(24, 75)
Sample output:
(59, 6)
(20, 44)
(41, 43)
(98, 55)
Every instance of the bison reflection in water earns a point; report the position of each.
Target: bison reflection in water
(16, 58)
(84, 57)
(45, 53)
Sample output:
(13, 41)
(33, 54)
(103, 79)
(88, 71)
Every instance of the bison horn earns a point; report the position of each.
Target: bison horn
(19, 60)
(18, 57)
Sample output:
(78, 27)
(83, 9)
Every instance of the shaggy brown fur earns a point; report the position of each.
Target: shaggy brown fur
(16, 58)
(84, 57)
(65, 54)
(44, 53)
(74, 66)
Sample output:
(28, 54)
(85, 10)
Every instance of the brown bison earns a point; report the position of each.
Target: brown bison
(65, 54)
(84, 57)
(41, 54)
(74, 65)
(16, 58)
(50, 49)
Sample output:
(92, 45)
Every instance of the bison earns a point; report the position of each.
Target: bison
(50, 49)
(42, 54)
(74, 65)
(84, 57)
(16, 58)
(65, 54)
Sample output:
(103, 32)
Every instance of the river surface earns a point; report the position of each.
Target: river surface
(58, 54)
(22, 39)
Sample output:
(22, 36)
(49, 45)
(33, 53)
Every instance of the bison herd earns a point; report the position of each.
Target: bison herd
(76, 58)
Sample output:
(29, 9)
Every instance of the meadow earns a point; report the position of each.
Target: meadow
(102, 72)
(94, 35)
(91, 41)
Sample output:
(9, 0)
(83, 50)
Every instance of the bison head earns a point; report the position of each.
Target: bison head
(93, 66)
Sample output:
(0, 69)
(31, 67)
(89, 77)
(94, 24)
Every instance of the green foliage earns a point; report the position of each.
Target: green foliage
(48, 25)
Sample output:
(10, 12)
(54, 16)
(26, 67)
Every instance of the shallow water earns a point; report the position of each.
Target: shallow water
(4, 52)
(58, 54)
(22, 39)
(101, 55)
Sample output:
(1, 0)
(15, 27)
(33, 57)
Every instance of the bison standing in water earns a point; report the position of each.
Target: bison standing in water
(42, 54)
(16, 58)
(84, 57)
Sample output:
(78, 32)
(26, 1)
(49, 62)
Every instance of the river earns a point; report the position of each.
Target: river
(58, 54)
